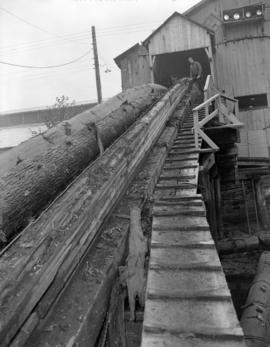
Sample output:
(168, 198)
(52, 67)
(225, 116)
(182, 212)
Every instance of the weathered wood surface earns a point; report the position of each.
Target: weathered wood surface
(133, 274)
(256, 314)
(188, 302)
(32, 174)
(48, 251)
(240, 244)
(88, 292)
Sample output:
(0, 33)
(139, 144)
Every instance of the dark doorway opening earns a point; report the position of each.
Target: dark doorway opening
(176, 64)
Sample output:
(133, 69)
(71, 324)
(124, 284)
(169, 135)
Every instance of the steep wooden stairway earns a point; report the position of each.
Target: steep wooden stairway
(188, 302)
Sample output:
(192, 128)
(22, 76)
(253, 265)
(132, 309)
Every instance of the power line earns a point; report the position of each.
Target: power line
(34, 25)
(33, 74)
(48, 66)
(80, 36)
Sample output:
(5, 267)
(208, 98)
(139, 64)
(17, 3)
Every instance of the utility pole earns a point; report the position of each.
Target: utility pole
(98, 83)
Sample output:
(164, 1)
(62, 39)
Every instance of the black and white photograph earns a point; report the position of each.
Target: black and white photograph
(134, 173)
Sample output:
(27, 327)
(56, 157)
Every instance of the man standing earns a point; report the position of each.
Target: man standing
(196, 72)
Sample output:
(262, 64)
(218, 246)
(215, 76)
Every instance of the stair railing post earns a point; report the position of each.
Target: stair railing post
(217, 104)
(196, 127)
(237, 108)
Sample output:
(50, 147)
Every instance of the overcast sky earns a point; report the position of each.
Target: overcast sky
(51, 32)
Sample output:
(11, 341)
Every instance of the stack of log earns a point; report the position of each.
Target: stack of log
(35, 172)
(38, 265)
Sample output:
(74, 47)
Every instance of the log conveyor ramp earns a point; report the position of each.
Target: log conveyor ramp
(56, 277)
(188, 302)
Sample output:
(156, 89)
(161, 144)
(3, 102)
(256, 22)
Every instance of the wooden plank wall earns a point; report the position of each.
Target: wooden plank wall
(178, 35)
(135, 69)
(243, 68)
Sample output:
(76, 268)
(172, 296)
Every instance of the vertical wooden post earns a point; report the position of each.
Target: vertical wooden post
(261, 204)
(98, 83)
(255, 203)
(217, 107)
(196, 127)
(246, 205)
(151, 67)
(237, 108)
(212, 207)
(211, 61)
(218, 207)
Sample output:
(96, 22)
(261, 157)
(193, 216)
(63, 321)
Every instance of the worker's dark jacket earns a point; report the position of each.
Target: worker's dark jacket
(195, 70)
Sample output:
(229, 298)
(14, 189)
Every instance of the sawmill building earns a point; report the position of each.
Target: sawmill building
(231, 40)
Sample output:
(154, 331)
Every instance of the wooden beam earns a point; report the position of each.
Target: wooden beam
(208, 118)
(208, 140)
(151, 66)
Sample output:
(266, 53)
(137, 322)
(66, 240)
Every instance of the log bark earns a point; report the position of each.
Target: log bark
(256, 314)
(39, 263)
(244, 244)
(240, 244)
(35, 172)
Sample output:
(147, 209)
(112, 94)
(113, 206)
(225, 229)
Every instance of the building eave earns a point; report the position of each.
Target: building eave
(211, 32)
(126, 52)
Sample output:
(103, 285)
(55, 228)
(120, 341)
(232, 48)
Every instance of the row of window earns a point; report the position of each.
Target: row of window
(249, 102)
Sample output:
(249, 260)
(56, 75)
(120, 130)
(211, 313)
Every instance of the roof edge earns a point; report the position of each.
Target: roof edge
(210, 31)
(118, 58)
(195, 7)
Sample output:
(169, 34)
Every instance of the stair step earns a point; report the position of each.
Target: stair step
(184, 146)
(172, 210)
(176, 177)
(179, 166)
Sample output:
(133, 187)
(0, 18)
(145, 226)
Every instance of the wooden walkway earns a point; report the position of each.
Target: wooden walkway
(188, 302)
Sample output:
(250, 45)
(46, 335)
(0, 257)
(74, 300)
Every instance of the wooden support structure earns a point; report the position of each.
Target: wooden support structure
(246, 206)
(151, 66)
(219, 220)
(188, 302)
(260, 195)
(219, 110)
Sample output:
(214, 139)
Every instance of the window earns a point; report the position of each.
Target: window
(241, 14)
(249, 102)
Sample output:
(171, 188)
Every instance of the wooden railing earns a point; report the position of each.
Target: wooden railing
(217, 102)
(209, 88)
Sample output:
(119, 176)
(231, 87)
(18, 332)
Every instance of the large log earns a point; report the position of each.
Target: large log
(32, 174)
(87, 294)
(256, 315)
(239, 244)
(37, 266)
